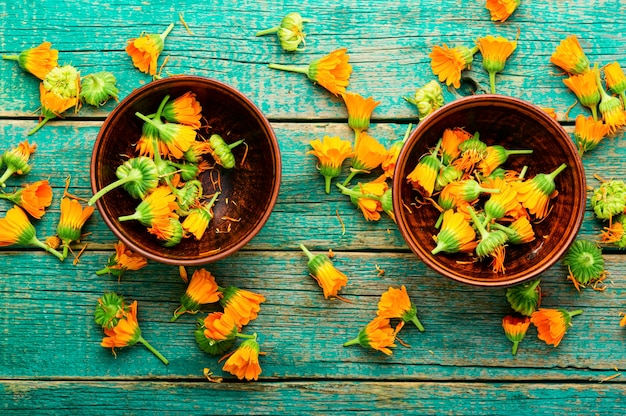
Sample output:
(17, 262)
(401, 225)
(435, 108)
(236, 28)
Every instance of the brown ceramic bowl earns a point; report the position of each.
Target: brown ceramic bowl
(248, 191)
(514, 124)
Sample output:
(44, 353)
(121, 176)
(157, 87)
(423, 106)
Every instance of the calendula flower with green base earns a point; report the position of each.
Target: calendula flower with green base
(609, 199)
(496, 155)
(122, 260)
(34, 198)
(515, 330)
(525, 298)
(209, 345)
(96, 89)
(16, 160)
(145, 50)
(534, 194)
(616, 80)
(585, 263)
(170, 231)
(331, 153)
(202, 290)
(368, 197)
(456, 234)
(155, 208)
(221, 151)
(427, 99)
(395, 303)
(290, 32)
(138, 176)
(38, 60)
(324, 272)
(424, 176)
(492, 243)
(552, 324)
(109, 310)
(495, 52)
(197, 219)
(611, 108)
(378, 335)
(16, 229)
(519, 231)
(176, 137)
(71, 222)
(586, 89)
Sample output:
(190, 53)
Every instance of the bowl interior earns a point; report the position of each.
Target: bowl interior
(514, 124)
(248, 191)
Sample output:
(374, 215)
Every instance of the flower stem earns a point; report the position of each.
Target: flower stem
(557, 171)
(417, 323)
(307, 252)
(327, 180)
(518, 152)
(235, 144)
(6, 175)
(514, 349)
(103, 271)
(38, 243)
(245, 336)
(492, 82)
(178, 312)
(576, 312)
(349, 178)
(135, 216)
(483, 231)
(167, 31)
(291, 68)
(38, 126)
(353, 342)
(133, 175)
(153, 350)
(267, 31)
(11, 57)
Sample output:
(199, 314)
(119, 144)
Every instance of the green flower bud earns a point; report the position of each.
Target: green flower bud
(96, 89)
(290, 32)
(585, 262)
(609, 199)
(63, 81)
(109, 310)
(524, 298)
(138, 176)
(427, 99)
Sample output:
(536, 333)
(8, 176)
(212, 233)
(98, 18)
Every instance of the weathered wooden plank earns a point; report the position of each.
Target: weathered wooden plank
(388, 42)
(309, 397)
(43, 300)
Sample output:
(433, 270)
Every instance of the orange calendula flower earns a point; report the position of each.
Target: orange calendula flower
(495, 52)
(324, 272)
(202, 289)
(551, 112)
(501, 10)
(242, 304)
(127, 333)
(123, 259)
(519, 232)
(492, 243)
(331, 71)
(34, 198)
(38, 60)
(450, 142)
(378, 335)
(448, 63)
(197, 221)
(456, 234)
(158, 206)
(220, 326)
(611, 108)
(367, 197)
(168, 230)
(502, 203)
(515, 330)
(588, 132)
(368, 155)
(423, 177)
(622, 321)
(244, 362)
(586, 89)
(395, 303)
(359, 111)
(176, 137)
(615, 79)
(331, 152)
(73, 217)
(389, 162)
(16, 229)
(534, 194)
(16, 160)
(495, 156)
(145, 50)
(184, 110)
(570, 56)
(552, 324)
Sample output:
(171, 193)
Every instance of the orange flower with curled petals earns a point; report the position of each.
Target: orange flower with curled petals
(197, 221)
(615, 79)
(368, 155)
(73, 218)
(202, 290)
(515, 329)
(534, 194)
(586, 89)
(423, 177)
(331, 153)
(611, 108)
(448, 63)
(456, 234)
(450, 141)
(325, 274)
(552, 324)
(157, 207)
(570, 56)
(184, 110)
(395, 303)
(367, 197)
(378, 335)
(331, 71)
(38, 60)
(242, 305)
(34, 198)
(359, 111)
(495, 52)
(244, 362)
(588, 133)
(123, 259)
(501, 10)
(16, 229)
(145, 50)
(220, 326)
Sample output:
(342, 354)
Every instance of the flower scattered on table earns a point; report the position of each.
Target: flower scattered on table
(501, 10)
(359, 111)
(369, 153)
(16, 160)
(96, 89)
(73, 218)
(552, 324)
(515, 329)
(122, 260)
(244, 362)
(585, 86)
(146, 49)
(615, 80)
(395, 303)
(368, 197)
(525, 298)
(588, 133)
(34, 198)
(570, 56)
(585, 264)
(38, 60)
(495, 51)
(378, 335)
(325, 274)
(331, 153)
(290, 32)
(427, 98)
(202, 290)
(448, 64)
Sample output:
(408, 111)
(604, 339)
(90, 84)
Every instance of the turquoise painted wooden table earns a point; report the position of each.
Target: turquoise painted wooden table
(51, 361)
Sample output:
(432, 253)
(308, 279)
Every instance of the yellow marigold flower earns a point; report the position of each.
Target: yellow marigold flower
(325, 274)
(127, 333)
(123, 259)
(368, 155)
(359, 111)
(150, 136)
(202, 289)
(52, 105)
(588, 132)
(456, 234)
(16, 229)
(244, 362)
(16, 160)
(184, 110)
(378, 335)
(501, 10)
(423, 177)
(552, 324)
(331, 152)
(450, 141)
(395, 303)
(145, 50)
(197, 221)
(220, 326)
(615, 79)
(177, 137)
(331, 71)
(534, 194)
(495, 52)
(515, 330)
(519, 232)
(38, 60)
(168, 230)
(448, 63)
(71, 222)
(242, 304)
(502, 203)
(34, 198)
(586, 89)
(611, 108)
(367, 197)
(159, 205)
(570, 56)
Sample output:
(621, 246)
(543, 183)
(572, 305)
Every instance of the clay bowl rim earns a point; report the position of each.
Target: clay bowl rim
(146, 90)
(424, 255)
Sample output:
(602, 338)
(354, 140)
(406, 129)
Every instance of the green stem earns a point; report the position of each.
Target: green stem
(10, 197)
(6, 175)
(492, 82)
(149, 120)
(349, 178)
(267, 31)
(327, 180)
(291, 68)
(178, 312)
(153, 350)
(66, 249)
(594, 112)
(11, 57)
(417, 323)
(483, 231)
(518, 152)
(244, 336)
(307, 252)
(135, 216)
(212, 201)
(557, 171)
(523, 172)
(353, 342)
(38, 126)
(38, 243)
(161, 107)
(514, 349)
(133, 175)
(235, 144)
(167, 31)
(576, 312)
(103, 271)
